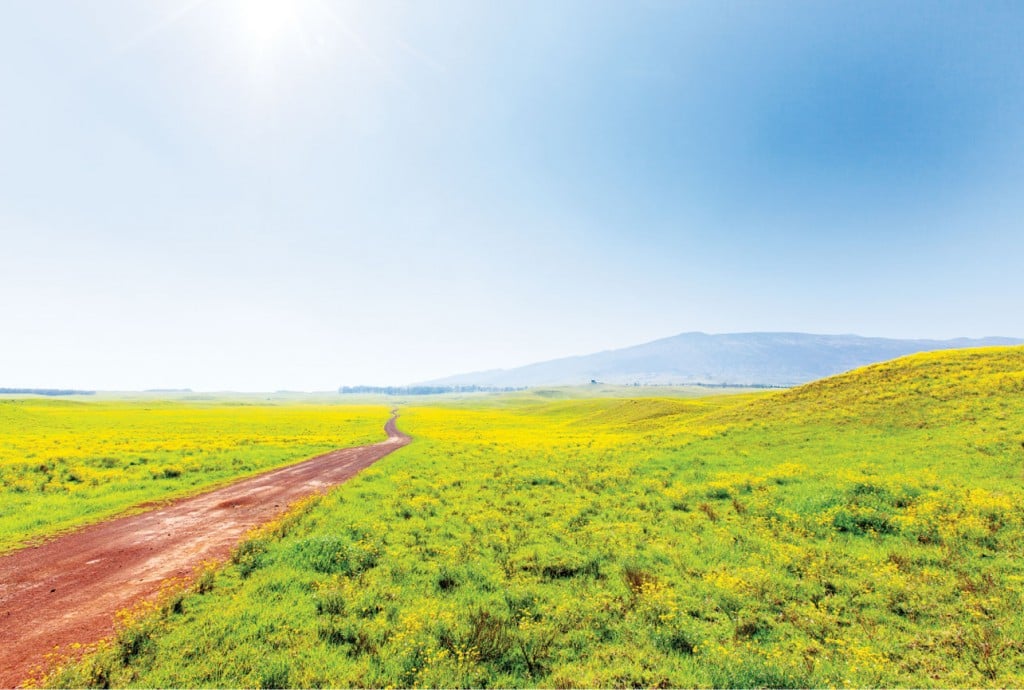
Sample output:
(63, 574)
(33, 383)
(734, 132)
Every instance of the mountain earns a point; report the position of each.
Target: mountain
(766, 359)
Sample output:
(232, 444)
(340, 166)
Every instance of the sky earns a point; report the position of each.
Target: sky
(260, 195)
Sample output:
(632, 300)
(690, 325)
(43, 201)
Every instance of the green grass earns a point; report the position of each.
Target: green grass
(65, 463)
(866, 530)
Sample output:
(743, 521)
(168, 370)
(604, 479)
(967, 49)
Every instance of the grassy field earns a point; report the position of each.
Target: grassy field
(865, 530)
(64, 463)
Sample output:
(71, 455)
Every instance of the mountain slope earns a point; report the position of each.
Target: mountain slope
(774, 359)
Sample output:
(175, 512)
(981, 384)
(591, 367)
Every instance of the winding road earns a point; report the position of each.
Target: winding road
(69, 589)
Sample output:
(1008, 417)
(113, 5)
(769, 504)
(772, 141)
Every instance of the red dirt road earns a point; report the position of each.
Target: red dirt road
(67, 590)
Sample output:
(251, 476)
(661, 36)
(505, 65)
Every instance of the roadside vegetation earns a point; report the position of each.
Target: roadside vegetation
(65, 463)
(864, 530)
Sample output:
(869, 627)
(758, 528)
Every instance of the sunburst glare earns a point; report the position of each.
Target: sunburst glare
(273, 38)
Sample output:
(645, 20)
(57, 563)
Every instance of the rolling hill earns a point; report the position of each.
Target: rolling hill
(766, 359)
(863, 530)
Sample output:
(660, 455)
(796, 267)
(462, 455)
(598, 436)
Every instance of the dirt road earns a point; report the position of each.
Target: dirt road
(68, 590)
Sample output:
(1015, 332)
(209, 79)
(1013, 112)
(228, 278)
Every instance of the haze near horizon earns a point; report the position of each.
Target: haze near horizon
(261, 195)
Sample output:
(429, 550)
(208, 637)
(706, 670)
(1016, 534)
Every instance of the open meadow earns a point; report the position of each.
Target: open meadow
(863, 530)
(65, 463)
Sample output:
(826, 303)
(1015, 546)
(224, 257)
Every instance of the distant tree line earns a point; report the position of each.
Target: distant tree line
(43, 391)
(422, 390)
(637, 384)
(736, 385)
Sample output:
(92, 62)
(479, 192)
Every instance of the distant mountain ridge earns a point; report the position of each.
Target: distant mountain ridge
(766, 359)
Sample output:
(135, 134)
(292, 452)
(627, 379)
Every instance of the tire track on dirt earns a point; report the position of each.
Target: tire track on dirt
(69, 589)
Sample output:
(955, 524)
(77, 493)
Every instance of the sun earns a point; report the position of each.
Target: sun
(273, 41)
(266, 27)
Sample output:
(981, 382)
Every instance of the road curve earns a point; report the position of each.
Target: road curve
(68, 590)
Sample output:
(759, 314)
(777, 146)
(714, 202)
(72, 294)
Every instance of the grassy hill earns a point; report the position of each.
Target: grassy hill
(864, 530)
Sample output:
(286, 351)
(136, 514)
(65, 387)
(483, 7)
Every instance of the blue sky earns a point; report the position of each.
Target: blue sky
(255, 195)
